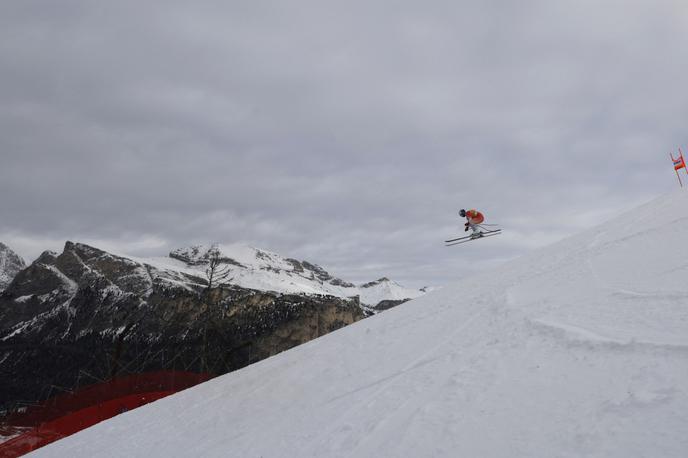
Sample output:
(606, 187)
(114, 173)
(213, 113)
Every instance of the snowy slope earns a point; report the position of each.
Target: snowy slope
(266, 271)
(579, 349)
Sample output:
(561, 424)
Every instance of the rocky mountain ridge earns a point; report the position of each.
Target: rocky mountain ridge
(10, 264)
(86, 314)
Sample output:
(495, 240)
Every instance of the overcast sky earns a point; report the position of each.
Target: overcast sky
(346, 133)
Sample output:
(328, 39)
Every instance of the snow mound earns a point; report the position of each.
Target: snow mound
(579, 349)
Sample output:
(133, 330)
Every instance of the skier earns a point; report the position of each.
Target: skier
(473, 220)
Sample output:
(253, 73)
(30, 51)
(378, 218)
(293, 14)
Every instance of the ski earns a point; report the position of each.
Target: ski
(469, 236)
(457, 239)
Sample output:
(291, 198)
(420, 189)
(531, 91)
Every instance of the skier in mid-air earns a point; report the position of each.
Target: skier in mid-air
(473, 220)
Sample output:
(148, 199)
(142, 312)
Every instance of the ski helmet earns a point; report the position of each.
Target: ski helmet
(462, 212)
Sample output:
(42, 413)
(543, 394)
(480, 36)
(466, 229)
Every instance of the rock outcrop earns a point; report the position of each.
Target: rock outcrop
(388, 304)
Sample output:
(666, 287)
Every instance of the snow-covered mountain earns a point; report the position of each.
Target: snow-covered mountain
(578, 349)
(386, 290)
(258, 269)
(10, 264)
(87, 298)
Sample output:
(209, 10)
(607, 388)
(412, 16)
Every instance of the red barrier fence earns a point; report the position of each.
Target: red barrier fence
(69, 413)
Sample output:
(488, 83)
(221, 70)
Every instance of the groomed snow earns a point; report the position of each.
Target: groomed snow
(579, 349)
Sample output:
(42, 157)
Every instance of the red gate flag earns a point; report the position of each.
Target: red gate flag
(679, 163)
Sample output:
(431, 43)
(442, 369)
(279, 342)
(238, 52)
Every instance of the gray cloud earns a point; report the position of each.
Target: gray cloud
(347, 133)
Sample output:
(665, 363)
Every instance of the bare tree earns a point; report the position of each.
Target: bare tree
(217, 274)
(218, 270)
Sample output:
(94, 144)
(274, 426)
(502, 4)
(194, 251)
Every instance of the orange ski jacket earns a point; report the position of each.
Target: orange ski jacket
(474, 216)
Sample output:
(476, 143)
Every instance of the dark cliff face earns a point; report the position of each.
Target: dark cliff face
(86, 315)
